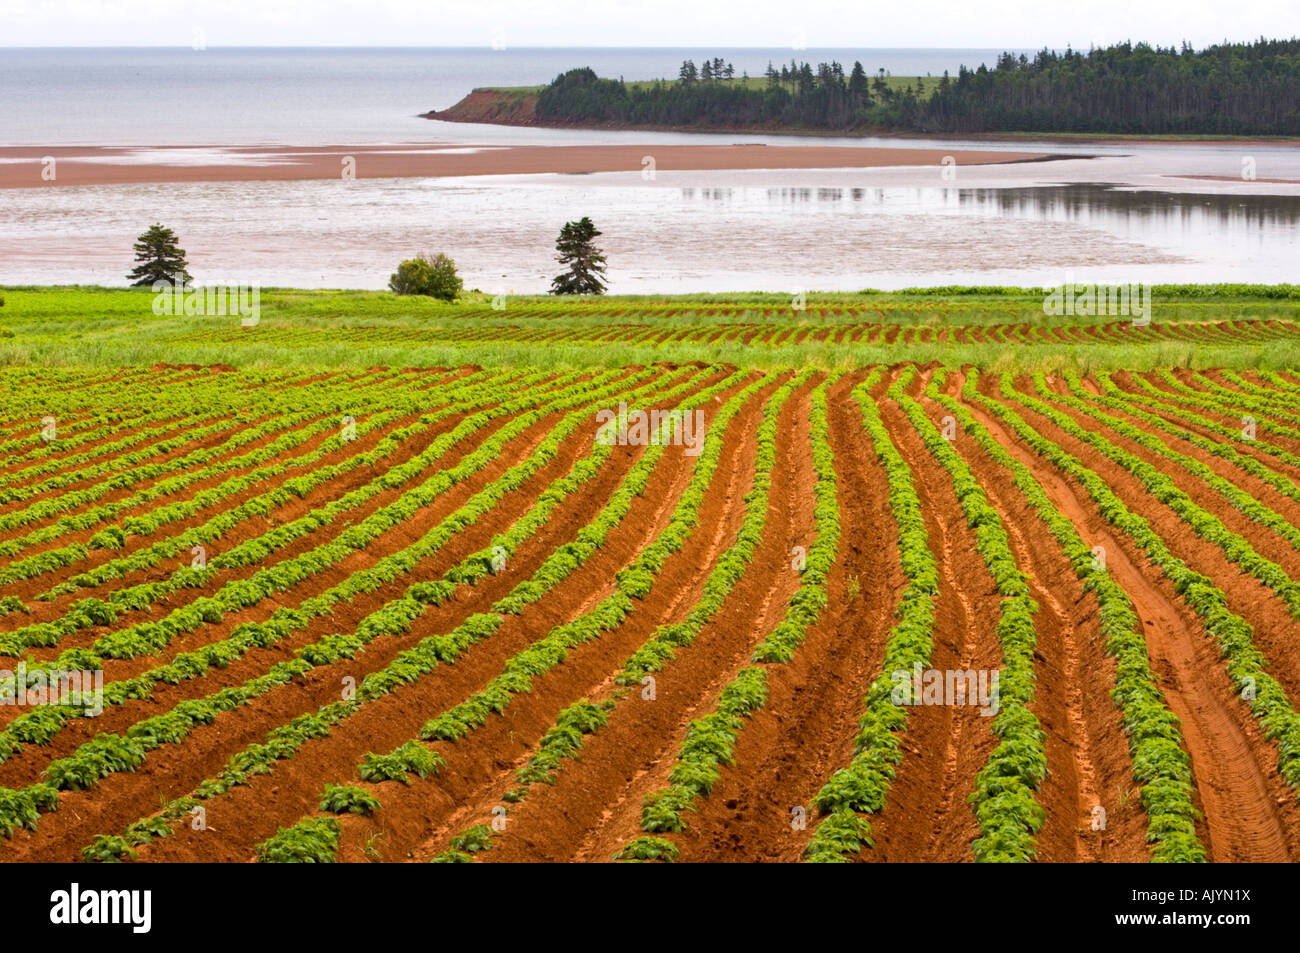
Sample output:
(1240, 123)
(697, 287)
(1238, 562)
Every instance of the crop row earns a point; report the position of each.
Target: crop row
(1009, 816)
(197, 408)
(631, 583)
(565, 737)
(107, 754)
(399, 615)
(128, 470)
(114, 536)
(710, 740)
(147, 637)
(861, 786)
(1234, 636)
(1160, 760)
(1162, 487)
(1224, 449)
(40, 725)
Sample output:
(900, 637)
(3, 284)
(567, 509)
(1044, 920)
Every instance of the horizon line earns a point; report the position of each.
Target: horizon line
(615, 46)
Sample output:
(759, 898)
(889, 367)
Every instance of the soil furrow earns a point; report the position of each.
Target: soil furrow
(1238, 789)
(806, 731)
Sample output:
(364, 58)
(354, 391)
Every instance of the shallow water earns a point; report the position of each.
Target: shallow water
(718, 231)
(1105, 211)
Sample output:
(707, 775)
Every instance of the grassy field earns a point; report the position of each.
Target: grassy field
(1000, 328)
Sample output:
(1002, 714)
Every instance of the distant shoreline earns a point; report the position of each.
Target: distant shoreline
(513, 106)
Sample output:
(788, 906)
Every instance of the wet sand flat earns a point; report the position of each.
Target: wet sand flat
(25, 167)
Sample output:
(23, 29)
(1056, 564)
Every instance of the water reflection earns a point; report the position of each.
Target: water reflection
(711, 236)
(714, 195)
(1177, 222)
(1077, 202)
(1056, 203)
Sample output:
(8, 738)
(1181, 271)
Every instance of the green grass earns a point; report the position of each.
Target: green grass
(89, 326)
(516, 92)
(929, 83)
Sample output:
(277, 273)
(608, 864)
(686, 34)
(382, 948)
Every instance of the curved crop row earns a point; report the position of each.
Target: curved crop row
(148, 637)
(78, 431)
(861, 786)
(114, 536)
(1009, 815)
(1133, 402)
(1185, 408)
(399, 615)
(710, 740)
(106, 754)
(1245, 663)
(1160, 760)
(41, 725)
(565, 737)
(1232, 401)
(318, 422)
(1161, 487)
(1217, 448)
(631, 583)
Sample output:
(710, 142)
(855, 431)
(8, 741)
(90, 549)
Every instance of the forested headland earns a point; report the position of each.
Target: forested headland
(1229, 89)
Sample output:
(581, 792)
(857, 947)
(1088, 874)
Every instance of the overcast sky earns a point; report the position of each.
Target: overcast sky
(694, 23)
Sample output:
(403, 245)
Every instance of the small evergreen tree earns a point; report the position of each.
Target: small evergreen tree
(585, 262)
(859, 92)
(882, 89)
(158, 259)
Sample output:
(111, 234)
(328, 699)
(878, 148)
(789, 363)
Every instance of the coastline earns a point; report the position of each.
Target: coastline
(507, 106)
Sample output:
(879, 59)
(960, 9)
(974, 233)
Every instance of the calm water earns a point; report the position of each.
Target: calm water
(770, 231)
(1127, 212)
(250, 96)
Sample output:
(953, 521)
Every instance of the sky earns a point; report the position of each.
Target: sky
(1015, 24)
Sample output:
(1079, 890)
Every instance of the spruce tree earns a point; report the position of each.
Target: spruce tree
(585, 262)
(859, 92)
(159, 259)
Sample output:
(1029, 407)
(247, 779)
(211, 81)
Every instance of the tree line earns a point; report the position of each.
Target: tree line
(1230, 89)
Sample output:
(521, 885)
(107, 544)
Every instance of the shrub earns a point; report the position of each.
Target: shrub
(425, 275)
(344, 799)
(313, 841)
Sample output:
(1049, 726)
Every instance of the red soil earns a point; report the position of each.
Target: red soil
(1248, 814)
(806, 730)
